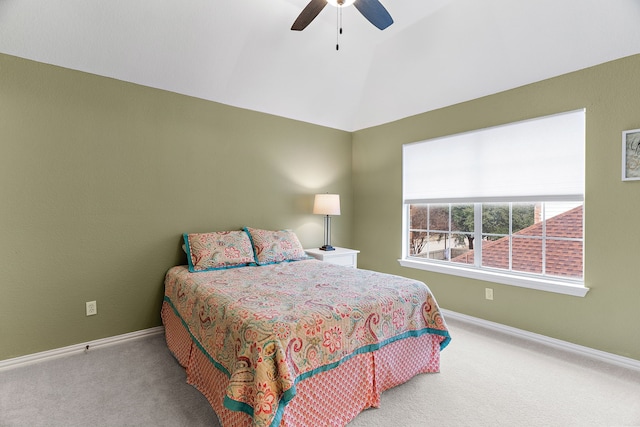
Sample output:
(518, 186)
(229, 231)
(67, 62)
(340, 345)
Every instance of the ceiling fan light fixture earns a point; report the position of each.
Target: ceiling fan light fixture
(341, 3)
(372, 10)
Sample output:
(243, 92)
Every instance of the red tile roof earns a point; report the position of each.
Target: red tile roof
(563, 257)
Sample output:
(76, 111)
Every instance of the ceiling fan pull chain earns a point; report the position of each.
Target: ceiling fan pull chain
(338, 25)
(338, 28)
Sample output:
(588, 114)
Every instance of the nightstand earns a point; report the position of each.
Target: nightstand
(341, 256)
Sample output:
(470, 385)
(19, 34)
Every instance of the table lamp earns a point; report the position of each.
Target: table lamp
(327, 205)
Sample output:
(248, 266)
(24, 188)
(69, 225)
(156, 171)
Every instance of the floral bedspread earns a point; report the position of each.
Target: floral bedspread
(269, 327)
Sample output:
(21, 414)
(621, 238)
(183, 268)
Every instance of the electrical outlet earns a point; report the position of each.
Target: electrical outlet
(488, 293)
(92, 308)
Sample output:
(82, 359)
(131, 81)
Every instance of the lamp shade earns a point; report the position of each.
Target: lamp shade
(327, 204)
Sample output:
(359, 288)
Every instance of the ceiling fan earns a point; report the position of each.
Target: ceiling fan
(372, 10)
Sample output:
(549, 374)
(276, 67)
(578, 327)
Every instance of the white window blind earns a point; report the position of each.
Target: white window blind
(537, 159)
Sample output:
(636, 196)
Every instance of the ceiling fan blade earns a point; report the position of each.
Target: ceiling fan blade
(308, 14)
(375, 13)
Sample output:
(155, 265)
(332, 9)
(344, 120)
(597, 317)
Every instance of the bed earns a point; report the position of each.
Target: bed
(273, 338)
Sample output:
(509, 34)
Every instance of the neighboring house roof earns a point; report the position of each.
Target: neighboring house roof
(563, 257)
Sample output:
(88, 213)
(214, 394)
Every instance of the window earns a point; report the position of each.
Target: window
(503, 204)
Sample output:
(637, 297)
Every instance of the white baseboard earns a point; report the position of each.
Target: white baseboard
(77, 348)
(614, 359)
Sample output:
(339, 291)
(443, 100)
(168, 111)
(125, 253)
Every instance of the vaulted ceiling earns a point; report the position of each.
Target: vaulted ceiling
(243, 53)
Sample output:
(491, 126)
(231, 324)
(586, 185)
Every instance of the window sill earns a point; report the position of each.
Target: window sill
(547, 285)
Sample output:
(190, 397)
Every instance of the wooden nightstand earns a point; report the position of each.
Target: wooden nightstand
(341, 256)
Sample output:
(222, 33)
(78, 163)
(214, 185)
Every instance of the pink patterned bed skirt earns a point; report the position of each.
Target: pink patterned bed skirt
(331, 398)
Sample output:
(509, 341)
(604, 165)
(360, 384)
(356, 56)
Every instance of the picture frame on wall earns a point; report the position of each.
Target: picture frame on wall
(631, 155)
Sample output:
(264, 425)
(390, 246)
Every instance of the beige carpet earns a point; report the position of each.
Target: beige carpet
(486, 379)
(493, 379)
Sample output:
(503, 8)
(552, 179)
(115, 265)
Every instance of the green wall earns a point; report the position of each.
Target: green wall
(608, 318)
(99, 179)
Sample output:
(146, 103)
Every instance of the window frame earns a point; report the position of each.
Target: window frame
(473, 152)
(547, 283)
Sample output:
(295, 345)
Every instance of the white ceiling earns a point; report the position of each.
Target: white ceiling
(243, 53)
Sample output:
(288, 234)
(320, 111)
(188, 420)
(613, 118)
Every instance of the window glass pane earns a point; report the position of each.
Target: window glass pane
(462, 218)
(564, 258)
(526, 219)
(495, 219)
(439, 217)
(526, 255)
(564, 220)
(418, 217)
(462, 248)
(439, 246)
(495, 253)
(418, 243)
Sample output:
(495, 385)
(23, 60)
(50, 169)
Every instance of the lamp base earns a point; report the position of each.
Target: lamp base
(327, 248)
